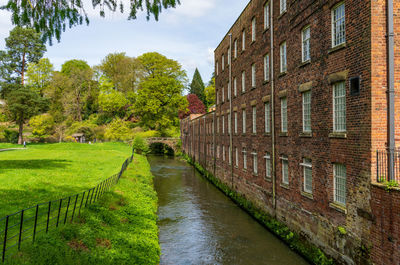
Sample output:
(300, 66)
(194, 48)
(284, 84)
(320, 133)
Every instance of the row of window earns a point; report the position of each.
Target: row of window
(339, 113)
(339, 170)
(338, 37)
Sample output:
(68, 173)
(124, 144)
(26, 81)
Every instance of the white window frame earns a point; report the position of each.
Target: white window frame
(217, 151)
(266, 67)
(223, 153)
(243, 40)
(235, 48)
(283, 57)
(223, 95)
(306, 98)
(243, 81)
(229, 155)
(216, 67)
(223, 124)
(235, 87)
(244, 158)
(236, 157)
(217, 97)
(236, 122)
(229, 123)
(336, 26)
(229, 90)
(253, 75)
(254, 115)
(307, 179)
(267, 165)
(285, 170)
(223, 62)
(244, 120)
(305, 44)
(283, 6)
(284, 116)
(217, 124)
(267, 116)
(339, 182)
(339, 121)
(255, 162)
(253, 29)
(266, 15)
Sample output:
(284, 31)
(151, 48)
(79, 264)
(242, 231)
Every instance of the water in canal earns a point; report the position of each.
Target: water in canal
(200, 225)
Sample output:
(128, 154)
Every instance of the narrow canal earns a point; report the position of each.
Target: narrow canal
(200, 225)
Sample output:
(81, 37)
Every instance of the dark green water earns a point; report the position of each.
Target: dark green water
(200, 225)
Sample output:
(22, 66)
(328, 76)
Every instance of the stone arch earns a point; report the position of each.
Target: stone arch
(170, 142)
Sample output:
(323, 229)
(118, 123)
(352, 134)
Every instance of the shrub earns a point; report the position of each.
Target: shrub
(11, 136)
(42, 125)
(117, 130)
(140, 145)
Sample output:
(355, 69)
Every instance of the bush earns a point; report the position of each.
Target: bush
(11, 136)
(117, 130)
(42, 125)
(140, 145)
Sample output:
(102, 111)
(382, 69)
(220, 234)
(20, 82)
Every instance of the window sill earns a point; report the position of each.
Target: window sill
(283, 134)
(337, 48)
(243, 134)
(253, 41)
(255, 174)
(236, 167)
(338, 135)
(265, 82)
(338, 207)
(282, 14)
(253, 134)
(282, 74)
(252, 88)
(244, 170)
(267, 134)
(268, 179)
(307, 195)
(306, 135)
(243, 92)
(266, 29)
(285, 186)
(242, 51)
(305, 63)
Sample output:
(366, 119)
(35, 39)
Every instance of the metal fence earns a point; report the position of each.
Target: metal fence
(25, 225)
(382, 165)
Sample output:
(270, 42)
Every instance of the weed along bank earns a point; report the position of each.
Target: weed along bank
(303, 132)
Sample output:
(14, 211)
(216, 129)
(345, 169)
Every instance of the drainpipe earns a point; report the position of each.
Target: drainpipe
(230, 107)
(213, 147)
(390, 91)
(273, 108)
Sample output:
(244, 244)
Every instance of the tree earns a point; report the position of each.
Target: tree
(23, 46)
(42, 125)
(39, 75)
(117, 130)
(113, 103)
(159, 97)
(51, 17)
(22, 104)
(197, 86)
(210, 92)
(196, 106)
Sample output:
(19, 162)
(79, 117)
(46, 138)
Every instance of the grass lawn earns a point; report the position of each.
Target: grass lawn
(7, 145)
(46, 172)
(118, 229)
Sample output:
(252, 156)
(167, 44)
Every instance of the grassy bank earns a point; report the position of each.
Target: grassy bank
(46, 172)
(120, 229)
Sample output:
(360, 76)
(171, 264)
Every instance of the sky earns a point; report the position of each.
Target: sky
(189, 34)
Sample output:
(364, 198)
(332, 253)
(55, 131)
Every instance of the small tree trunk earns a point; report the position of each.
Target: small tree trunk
(20, 131)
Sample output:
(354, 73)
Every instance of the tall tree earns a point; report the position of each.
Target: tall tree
(159, 97)
(210, 92)
(22, 104)
(197, 86)
(51, 17)
(23, 46)
(39, 75)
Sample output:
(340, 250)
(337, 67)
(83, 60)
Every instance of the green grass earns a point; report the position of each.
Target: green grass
(119, 229)
(7, 145)
(46, 172)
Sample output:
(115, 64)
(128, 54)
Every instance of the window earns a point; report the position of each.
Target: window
(253, 75)
(283, 6)
(339, 178)
(223, 62)
(229, 123)
(266, 67)
(217, 68)
(235, 117)
(267, 165)
(244, 121)
(305, 37)
(230, 156)
(223, 124)
(254, 119)
(229, 55)
(244, 159)
(285, 170)
(253, 29)
(307, 111)
(243, 40)
(217, 151)
(229, 90)
(223, 152)
(217, 96)
(235, 49)
(255, 165)
(339, 107)
(283, 57)
(223, 94)
(266, 15)
(284, 115)
(243, 81)
(236, 157)
(307, 172)
(234, 86)
(267, 117)
(338, 25)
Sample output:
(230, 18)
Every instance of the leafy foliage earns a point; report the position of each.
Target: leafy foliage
(197, 86)
(42, 125)
(51, 17)
(40, 74)
(210, 92)
(113, 103)
(11, 136)
(140, 145)
(117, 130)
(195, 106)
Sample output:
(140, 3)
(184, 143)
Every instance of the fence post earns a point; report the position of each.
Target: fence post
(48, 217)
(59, 211)
(20, 229)
(87, 198)
(97, 191)
(91, 197)
(34, 228)
(66, 212)
(73, 211)
(5, 240)
(83, 196)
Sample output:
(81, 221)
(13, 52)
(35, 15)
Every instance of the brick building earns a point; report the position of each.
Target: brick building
(301, 111)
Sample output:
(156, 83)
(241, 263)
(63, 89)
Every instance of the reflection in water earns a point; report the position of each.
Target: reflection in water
(200, 225)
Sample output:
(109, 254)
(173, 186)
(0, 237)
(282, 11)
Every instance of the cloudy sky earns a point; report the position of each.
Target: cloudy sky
(188, 34)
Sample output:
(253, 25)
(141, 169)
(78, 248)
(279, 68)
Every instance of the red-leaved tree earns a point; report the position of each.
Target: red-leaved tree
(196, 106)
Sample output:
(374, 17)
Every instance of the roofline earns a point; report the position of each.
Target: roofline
(233, 25)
